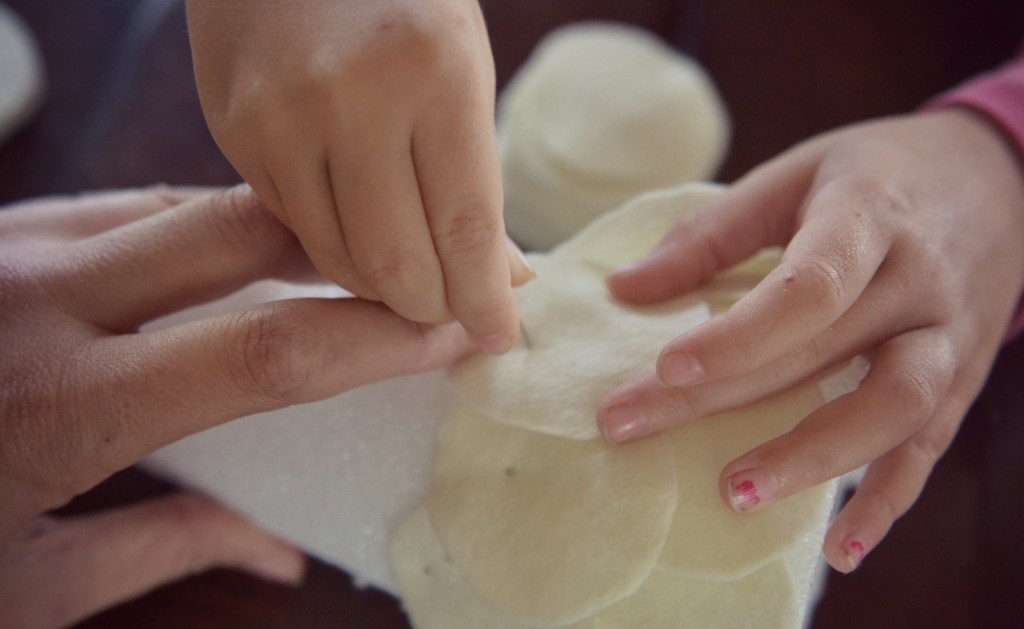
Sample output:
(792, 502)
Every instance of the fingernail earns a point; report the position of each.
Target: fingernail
(854, 549)
(678, 369)
(496, 344)
(751, 489)
(288, 568)
(625, 422)
(520, 267)
(626, 270)
(664, 248)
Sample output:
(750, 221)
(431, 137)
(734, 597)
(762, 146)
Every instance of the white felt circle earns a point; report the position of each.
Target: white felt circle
(549, 530)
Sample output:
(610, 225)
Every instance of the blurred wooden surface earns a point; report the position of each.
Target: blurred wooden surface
(122, 111)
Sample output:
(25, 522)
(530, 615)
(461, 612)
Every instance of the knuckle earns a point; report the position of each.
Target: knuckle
(471, 235)
(684, 405)
(272, 355)
(809, 458)
(810, 357)
(243, 223)
(825, 277)
(878, 196)
(747, 349)
(715, 254)
(397, 275)
(920, 383)
(48, 459)
(928, 447)
(228, 117)
(430, 45)
(820, 463)
(881, 507)
(408, 55)
(915, 394)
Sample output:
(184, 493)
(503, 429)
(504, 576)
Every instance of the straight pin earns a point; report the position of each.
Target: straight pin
(526, 337)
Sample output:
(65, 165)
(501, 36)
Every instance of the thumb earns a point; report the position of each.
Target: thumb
(67, 570)
(758, 211)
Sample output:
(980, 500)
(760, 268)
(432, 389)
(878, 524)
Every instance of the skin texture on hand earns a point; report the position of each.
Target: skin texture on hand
(85, 394)
(903, 244)
(367, 126)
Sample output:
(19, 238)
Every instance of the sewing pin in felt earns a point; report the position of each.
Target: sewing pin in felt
(526, 337)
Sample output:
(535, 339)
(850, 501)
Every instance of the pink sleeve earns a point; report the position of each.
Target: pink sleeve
(1000, 96)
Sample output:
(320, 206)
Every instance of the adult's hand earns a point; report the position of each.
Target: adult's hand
(903, 243)
(85, 394)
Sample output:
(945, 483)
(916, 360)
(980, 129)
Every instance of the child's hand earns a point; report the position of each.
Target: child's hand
(903, 242)
(367, 126)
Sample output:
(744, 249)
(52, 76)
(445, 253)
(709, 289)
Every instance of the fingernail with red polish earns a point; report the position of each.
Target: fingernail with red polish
(625, 422)
(854, 549)
(679, 369)
(751, 490)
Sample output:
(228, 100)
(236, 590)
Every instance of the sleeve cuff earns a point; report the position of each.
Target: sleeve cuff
(999, 95)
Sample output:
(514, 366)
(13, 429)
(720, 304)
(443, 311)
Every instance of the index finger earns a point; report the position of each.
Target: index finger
(456, 156)
(830, 260)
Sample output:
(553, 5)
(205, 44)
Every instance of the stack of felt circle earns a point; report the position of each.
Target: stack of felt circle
(599, 114)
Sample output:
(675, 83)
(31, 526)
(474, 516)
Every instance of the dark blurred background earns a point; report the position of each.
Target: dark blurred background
(122, 111)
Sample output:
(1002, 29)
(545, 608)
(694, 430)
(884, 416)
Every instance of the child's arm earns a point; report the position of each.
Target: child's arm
(367, 127)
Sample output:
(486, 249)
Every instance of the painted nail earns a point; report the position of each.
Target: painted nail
(679, 370)
(626, 271)
(625, 422)
(854, 549)
(751, 489)
(497, 344)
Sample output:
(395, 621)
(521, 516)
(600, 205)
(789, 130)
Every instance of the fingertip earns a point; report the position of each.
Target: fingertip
(480, 295)
(639, 282)
(749, 490)
(679, 369)
(629, 412)
(494, 326)
(625, 421)
(620, 285)
(664, 273)
(497, 344)
(849, 554)
(283, 564)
